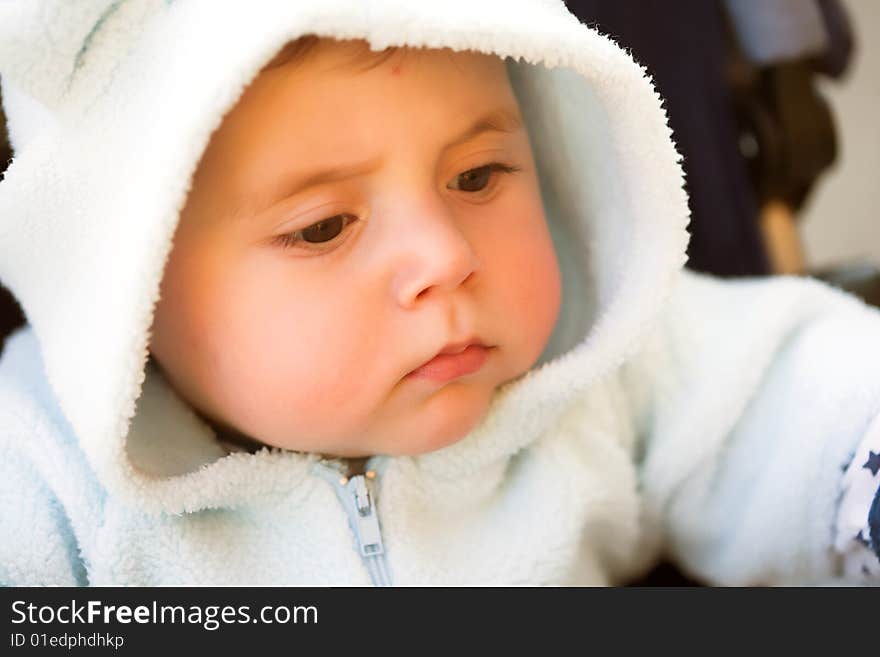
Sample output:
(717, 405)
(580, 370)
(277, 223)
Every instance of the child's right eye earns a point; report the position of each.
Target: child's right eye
(320, 232)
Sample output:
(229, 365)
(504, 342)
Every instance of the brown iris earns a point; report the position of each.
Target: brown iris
(475, 179)
(325, 230)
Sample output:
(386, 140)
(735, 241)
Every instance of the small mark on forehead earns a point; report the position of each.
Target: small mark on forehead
(395, 70)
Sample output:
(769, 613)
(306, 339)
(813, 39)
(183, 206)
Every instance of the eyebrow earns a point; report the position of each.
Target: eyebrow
(502, 120)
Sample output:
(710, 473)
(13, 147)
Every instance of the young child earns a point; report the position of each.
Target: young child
(399, 304)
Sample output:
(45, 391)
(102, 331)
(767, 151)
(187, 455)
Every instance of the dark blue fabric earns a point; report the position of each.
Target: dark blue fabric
(874, 524)
(684, 45)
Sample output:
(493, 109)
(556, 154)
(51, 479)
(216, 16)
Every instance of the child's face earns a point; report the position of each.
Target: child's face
(303, 336)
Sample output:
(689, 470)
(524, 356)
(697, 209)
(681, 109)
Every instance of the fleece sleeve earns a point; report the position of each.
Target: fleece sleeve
(37, 543)
(756, 396)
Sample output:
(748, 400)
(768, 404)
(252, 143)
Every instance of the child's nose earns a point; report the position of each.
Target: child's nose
(436, 257)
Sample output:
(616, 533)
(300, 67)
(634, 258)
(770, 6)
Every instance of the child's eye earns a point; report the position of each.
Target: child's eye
(325, 230)
(476, 180)
(318, 233)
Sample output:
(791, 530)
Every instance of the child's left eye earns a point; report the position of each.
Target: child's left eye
(476, 180)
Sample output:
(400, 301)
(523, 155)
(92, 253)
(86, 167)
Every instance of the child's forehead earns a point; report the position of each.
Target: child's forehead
(419, 104)
(322, 81)
(324, 55)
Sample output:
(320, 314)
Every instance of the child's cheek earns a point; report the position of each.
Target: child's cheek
(541, 295)
(533, 284)
(319, 367)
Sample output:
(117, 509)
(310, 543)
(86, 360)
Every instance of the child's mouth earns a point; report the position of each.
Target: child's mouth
(447, 366)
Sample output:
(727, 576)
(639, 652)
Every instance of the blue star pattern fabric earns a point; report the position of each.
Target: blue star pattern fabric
(873, 463)
(857, 530)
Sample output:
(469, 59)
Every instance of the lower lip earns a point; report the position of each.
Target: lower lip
(445, 367)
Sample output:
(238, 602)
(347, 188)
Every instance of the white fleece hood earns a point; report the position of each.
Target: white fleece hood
(110, 105)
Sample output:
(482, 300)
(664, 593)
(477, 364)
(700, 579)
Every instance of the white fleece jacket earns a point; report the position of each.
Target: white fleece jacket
(671, 414)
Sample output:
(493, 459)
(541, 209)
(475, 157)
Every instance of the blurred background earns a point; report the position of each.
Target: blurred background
(773, 105)
(775, 108)
(842, 220)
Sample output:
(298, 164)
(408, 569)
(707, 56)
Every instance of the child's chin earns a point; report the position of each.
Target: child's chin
(441, 430)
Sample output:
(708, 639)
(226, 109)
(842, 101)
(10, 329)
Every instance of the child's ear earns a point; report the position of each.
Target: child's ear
(43, 42)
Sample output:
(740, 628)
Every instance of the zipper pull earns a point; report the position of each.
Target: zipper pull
(366, 521)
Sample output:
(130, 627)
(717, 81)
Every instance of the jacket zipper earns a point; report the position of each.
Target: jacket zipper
(358, 497)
